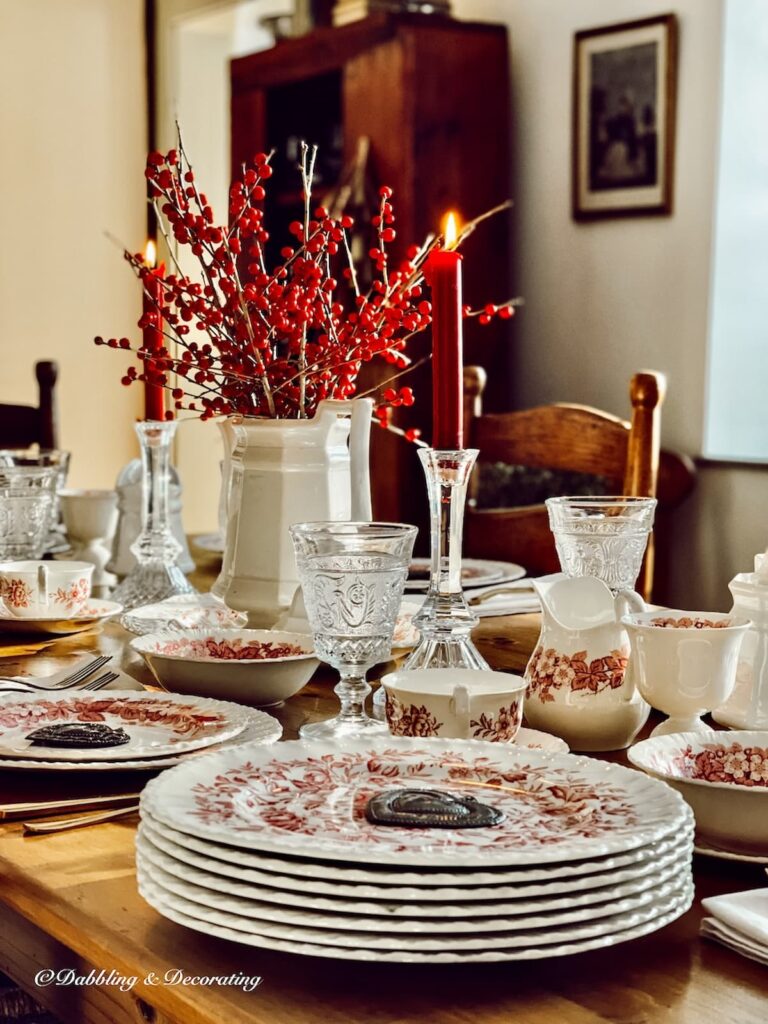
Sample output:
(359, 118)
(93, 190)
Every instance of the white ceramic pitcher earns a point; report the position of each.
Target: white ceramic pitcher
(578, 686)
(286, 472)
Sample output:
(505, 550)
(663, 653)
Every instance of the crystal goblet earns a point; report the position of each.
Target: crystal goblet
(352, 577)
(601, 536)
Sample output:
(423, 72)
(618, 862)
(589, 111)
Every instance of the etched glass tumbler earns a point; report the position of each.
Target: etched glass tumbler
(352, 577)
(604, 537)
(26, 502)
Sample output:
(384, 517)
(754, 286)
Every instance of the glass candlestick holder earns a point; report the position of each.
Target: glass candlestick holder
(445, 620)
(156, 574)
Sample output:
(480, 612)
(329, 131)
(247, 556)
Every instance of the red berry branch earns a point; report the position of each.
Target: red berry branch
(243, 337)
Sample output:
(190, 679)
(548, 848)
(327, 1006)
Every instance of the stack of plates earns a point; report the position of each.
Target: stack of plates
(271, 848)
(163, 729)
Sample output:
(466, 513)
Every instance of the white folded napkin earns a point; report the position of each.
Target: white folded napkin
(739, 920)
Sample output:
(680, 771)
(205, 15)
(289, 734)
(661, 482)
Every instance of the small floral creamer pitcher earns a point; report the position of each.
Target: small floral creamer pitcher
(578, 686)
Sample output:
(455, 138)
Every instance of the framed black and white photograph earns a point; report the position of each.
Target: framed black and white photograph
(624, 118)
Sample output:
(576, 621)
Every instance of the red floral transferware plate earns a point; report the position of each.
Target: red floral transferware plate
(157, 724)
(310, 799)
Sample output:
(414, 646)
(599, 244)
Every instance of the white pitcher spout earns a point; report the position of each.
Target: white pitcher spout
(575, 602)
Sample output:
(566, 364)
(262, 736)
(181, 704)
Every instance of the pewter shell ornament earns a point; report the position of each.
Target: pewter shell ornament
(430, 808)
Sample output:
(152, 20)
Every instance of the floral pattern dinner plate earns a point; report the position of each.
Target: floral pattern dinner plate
(373, 881)
(415, 915)
(310, 799)
(260, 727)
(157, 724)
(534, 944)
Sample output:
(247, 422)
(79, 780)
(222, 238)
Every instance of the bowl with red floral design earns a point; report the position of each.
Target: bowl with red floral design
(724, 778)
(258, 667)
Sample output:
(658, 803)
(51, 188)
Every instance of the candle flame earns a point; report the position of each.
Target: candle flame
(150, 253)
(450, 232)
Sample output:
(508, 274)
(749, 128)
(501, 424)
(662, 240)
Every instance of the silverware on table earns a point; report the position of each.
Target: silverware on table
(495, 591)
(24, 683)
(46, 828)
(77, 805)
(100, 683)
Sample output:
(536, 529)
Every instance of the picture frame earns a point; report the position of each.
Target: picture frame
(624, 98)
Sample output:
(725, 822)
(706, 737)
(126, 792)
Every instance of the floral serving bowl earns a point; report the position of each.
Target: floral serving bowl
(724, 778)
(258, 667)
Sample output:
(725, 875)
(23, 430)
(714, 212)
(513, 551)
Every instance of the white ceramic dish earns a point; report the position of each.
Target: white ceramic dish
(706, 850)
(475, 572)
(259, 728)
(386, 906)
(308, 798)
(182, 612)
(181, 665)
(509, 946)
(724, 778)
(352, 917)
(95, 612)
(158, 724)
(360, 881)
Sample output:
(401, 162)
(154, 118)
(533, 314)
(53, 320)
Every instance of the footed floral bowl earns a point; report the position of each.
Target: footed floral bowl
(258, 667)
(724, 778)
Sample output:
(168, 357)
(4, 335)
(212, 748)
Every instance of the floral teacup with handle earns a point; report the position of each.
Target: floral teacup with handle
(44, 590)
(454, 703)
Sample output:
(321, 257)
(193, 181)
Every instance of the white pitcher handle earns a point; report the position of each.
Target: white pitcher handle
(360, 412)
(459, 706)
(627, 601)
(359, 461)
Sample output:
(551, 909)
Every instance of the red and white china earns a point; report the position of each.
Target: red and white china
(308, 799)
(157, 724)
(257, 667)
(454, 703)
(259, 728)
(724, 778)
(684, 663)
(181, 612)
(92, 614)
(273, 849)
(578, 685)
(186, 913)
(34, 590)
(475, 572)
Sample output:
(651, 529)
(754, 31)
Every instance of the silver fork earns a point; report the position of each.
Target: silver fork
(100, 683)
(23, 685)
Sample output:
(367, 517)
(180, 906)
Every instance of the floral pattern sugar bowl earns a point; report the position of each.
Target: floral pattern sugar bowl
(577, 682)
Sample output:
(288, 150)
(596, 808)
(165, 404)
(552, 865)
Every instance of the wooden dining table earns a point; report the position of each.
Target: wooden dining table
(69, 903)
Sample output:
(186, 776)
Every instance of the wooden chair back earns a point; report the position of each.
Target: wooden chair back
(568, 438)
(25, 425)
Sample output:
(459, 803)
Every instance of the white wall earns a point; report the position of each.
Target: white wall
(72, 123)
(604, 299)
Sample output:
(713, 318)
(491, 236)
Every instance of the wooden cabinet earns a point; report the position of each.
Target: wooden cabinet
(432, 95)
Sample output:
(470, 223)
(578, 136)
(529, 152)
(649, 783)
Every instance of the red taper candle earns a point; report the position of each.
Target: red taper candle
(443, 272)
(154, 394)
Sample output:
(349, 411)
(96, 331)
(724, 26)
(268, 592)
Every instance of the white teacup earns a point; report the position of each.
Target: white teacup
(684, 663)
(31, 590)
(454, 703)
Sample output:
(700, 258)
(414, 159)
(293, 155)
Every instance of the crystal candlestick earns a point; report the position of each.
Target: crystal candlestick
(156, 574)
(445, 620)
